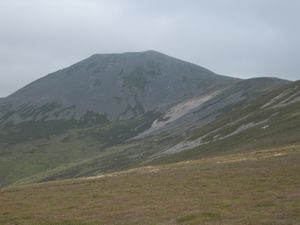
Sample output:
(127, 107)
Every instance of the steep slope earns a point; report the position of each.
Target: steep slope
(111, 87)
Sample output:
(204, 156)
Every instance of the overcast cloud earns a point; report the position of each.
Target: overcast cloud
(242, 38)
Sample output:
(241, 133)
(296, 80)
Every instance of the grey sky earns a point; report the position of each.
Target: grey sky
(232, 37)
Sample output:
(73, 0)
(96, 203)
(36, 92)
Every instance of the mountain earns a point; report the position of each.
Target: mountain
(112, 112)
(111, 87)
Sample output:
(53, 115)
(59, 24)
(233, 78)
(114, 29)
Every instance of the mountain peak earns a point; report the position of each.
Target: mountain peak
(119, 86)
(152, 52)
(147, 52)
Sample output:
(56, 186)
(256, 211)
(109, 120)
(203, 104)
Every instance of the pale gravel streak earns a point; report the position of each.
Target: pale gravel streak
(176, 112)
(184, 145)
(244, 127)
(280, 96)
(290, 100)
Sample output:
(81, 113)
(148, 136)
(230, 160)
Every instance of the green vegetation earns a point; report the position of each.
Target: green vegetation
(60, 149)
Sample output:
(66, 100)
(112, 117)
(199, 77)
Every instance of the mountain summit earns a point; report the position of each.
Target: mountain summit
(114, 86)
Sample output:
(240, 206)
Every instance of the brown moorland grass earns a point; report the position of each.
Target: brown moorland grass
(257, 188)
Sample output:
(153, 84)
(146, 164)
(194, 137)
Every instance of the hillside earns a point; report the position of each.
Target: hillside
(246, 127)
(271, 119)
(187, 112)
(261, 187)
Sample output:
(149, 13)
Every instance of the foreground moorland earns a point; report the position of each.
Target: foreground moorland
(258, 187)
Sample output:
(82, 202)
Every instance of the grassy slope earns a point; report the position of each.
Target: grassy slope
(247, 188)
(109, 159)
(31, 156)
(102, 149)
